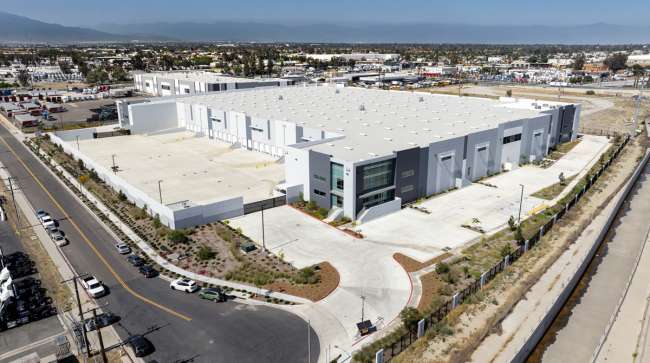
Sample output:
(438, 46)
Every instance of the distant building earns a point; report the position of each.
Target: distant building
(369, 57)
(192, 82)
(640, 59)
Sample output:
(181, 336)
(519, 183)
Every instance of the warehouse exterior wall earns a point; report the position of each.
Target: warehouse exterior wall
(152, 117)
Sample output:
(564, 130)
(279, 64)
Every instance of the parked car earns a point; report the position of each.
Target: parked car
(184, 284)
(148, 271)
(102, 320)
(141, 346)
(58, 237)
(40, 214)
(213, 294)
(123, 248)
(47, 221)
(93, 286)
(135, 260)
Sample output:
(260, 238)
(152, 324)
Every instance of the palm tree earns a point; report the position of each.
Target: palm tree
(637, 72)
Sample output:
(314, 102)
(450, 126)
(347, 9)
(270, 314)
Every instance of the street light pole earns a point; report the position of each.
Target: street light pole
(160, 191)
(81, 313)
(308, 341)
(521, 200)
(263, 237)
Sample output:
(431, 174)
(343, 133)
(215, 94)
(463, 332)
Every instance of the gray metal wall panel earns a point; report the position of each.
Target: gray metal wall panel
(407, 167)
(490, 137)
(319, 165)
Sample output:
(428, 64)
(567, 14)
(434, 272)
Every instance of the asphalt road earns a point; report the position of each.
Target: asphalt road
(185, 328)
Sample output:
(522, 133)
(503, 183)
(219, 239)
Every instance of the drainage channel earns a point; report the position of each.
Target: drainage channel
(596, 265)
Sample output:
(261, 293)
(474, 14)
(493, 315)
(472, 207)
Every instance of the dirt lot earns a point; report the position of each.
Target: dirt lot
(473, 320)
(607, 111)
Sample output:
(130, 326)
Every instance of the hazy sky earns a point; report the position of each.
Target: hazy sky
(502, 12)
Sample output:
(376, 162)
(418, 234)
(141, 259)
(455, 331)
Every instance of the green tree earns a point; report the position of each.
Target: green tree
(205, 253)
(578, 62)
(177, 236)
(616, 62)
(23, 77)
(118, 74)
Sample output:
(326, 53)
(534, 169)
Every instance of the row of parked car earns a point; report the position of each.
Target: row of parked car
(52, 228)
(29, 301)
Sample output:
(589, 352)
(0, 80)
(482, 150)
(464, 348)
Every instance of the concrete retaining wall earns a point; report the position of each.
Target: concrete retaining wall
(545, 323)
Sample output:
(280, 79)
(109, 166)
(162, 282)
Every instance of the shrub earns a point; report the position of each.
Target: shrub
(177, 236)
(442, 268)
(590, 92)
(205, 253)
(506, 250)
(410, 317)
(121, 196)
(512, 224)
(306, 275)
(312, 205)
(509, 93)
(156, 221)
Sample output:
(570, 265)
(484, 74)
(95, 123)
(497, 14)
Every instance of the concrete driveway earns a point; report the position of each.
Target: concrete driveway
(366, 268)
(491, 205)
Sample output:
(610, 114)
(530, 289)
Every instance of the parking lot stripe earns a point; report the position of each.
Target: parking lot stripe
(90, 243)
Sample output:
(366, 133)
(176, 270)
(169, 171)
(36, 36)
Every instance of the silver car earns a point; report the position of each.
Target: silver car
(58, 237)
(123, 248)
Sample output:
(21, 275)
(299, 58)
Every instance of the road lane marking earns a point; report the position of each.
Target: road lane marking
(89, 242)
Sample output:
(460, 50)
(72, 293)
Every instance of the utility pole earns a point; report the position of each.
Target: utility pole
(521, 200)
(263, 237)
(99, 335)
(637, 108)
(13, 199)
(363, 305)
(81, 313)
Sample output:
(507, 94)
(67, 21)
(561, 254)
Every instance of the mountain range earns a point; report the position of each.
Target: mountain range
(14, 28)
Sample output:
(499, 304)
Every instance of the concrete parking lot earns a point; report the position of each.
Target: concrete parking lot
(190, 167)
(480, 205)
(366, 268)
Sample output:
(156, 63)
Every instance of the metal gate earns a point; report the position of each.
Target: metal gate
(266, 204)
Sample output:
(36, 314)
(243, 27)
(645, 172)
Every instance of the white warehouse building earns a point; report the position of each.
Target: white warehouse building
(364, 153)
(194, 82)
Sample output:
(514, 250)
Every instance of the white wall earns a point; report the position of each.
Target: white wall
(152, 117)
(380, 210)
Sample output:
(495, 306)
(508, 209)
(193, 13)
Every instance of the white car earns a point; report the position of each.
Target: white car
(184, 284)
(47, 222)
(93, 286)
(123, 248)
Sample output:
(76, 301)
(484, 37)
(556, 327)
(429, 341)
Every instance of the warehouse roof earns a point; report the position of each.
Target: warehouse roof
(210, 77)
(373, 122)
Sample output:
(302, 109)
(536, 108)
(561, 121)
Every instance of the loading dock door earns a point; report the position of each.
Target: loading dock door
(480, 162)
(445, 172)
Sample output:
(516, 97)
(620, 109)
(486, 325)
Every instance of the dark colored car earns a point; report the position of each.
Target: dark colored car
(213, 294)
(103, 320)
(135, 260)
(141, 346)
(148, 271)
